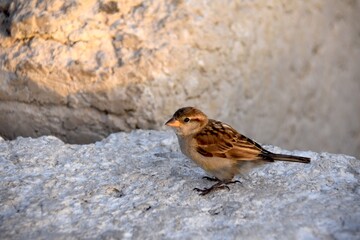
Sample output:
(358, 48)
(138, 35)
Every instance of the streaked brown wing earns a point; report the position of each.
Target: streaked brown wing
(221, 140)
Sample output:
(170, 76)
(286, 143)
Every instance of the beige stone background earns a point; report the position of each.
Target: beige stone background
(283, 72)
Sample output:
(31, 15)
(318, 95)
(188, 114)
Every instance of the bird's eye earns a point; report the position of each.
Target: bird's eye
(186, 120)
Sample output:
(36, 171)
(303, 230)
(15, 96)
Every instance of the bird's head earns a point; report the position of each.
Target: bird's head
(187, 121)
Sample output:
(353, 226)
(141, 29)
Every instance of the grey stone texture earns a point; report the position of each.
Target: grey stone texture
(139, 186)
(283, 72)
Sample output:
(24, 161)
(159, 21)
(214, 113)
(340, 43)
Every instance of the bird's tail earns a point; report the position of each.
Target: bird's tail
(283, 157)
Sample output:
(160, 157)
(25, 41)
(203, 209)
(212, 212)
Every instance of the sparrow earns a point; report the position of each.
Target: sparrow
(219, 149)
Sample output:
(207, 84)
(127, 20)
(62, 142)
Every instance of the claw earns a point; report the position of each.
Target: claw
(203, 191)
(198, 189)
(211, 179)
(222, 187)
(236, 181)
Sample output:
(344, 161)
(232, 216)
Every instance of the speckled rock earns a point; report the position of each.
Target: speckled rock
(283, 73)
(139, 186)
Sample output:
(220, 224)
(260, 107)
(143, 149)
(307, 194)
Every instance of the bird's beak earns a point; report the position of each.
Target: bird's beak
(172, 123)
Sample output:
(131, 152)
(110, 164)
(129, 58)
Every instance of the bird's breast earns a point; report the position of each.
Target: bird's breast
(222, 168)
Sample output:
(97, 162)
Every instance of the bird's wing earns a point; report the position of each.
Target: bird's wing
(220, 140)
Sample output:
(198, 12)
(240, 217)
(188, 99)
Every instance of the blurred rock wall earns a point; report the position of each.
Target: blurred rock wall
(282, 72)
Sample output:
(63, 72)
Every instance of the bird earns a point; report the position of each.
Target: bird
(219, 149)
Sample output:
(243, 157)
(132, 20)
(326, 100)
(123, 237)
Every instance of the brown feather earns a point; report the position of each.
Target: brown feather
(223, 141)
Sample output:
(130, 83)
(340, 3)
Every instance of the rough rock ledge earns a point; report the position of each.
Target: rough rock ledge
(138, 185)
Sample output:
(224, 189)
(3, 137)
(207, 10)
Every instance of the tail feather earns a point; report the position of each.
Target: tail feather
(284, 157)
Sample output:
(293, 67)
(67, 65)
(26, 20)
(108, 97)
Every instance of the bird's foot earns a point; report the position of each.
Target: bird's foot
(217, 186)
(214, 179)
(212, 188)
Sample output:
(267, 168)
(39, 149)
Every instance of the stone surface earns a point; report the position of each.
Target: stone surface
(139, 186)
(283, 73)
